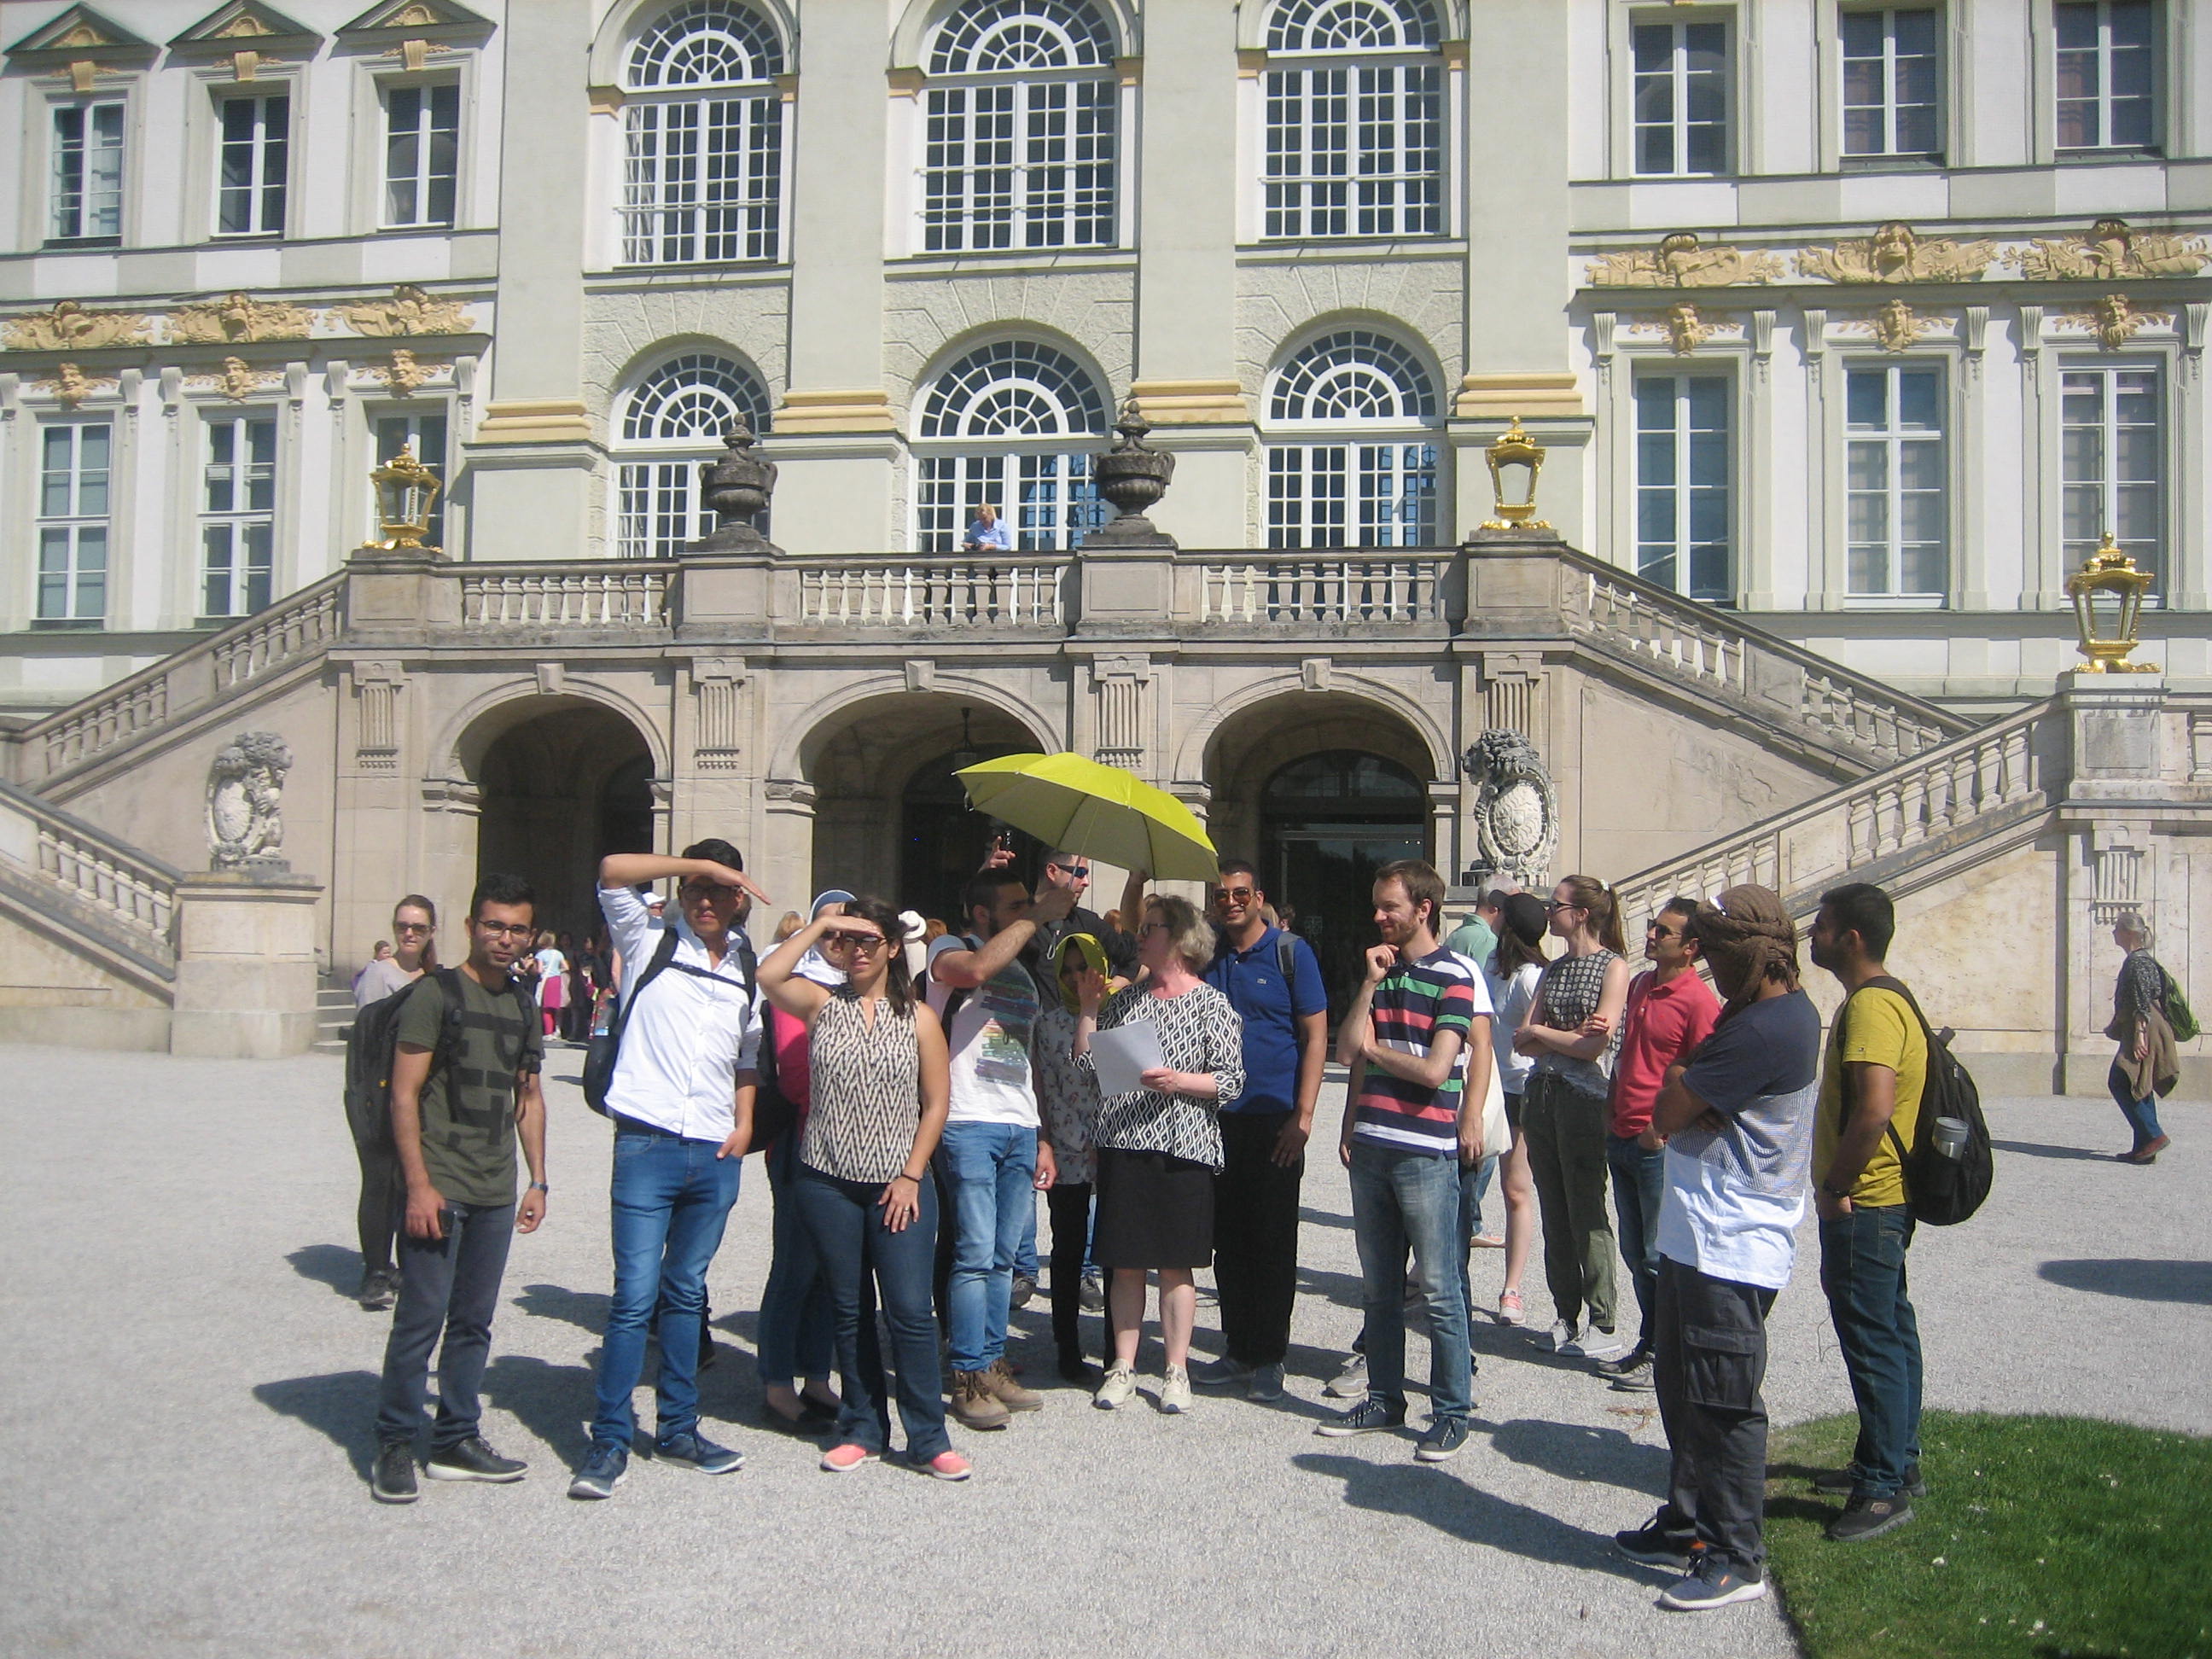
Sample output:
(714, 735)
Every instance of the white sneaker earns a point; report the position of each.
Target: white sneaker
(1594, 1344)
(1350, 1382)
(1565, 1334)
(1119, 1388)
(1175, 1390)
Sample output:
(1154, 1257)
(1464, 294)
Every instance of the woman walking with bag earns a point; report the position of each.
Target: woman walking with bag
(880, 1087)
(2147, 1065)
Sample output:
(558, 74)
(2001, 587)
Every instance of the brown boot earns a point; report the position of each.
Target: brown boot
(974, 1403)
(1008, 1392)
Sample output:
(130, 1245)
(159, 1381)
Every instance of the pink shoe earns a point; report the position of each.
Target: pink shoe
(843, 1460)
(1488, 1241)
(1508, 1308)
(949, 1466)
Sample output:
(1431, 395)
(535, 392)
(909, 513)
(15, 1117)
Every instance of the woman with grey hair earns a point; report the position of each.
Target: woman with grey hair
(2147, 1066)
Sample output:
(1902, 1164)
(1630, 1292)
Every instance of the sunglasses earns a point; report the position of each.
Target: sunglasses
(412, 927)
(865, 944)
(1550, 905)
(1080, 871)
(1240, 895)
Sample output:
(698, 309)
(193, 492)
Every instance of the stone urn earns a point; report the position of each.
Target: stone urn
(736, 490)
(1132, 477)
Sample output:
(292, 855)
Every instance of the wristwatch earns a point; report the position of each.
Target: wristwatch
(539, 1186)
(1834, 1191)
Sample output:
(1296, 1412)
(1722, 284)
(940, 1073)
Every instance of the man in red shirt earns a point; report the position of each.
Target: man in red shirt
(1671, 1010)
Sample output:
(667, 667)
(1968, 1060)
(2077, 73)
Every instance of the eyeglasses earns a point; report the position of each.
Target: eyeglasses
(496, 930)
(412, 927)
(1152, 927)
(692, 892)
(1239, 894)
(865, 944)
(1080, 871)
(1550, 905)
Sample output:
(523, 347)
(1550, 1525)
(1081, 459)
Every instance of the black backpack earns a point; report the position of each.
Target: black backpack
(604, 1049)
(1938, 1190)
(375, 1041)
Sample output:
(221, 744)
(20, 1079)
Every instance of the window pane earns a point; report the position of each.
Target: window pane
(1865, 397)
(2076, 23)
(1918, 402)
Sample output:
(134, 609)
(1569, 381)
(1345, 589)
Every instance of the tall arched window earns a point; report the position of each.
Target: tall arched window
(1019, 151)
(1355, 119)
(1014, 424)
(702, 123)
(1373, 486)
(670, 422)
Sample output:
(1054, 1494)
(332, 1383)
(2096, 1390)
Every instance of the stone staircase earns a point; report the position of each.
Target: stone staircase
(333, 1018)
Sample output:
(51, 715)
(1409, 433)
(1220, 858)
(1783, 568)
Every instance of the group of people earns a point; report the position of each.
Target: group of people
(910, 1112)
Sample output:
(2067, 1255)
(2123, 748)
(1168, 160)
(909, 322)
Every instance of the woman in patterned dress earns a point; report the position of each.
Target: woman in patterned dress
(1159, 1145)
(880, 1088)
(1067, 1101)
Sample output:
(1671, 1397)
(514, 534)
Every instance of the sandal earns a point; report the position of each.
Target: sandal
(1508, 1308)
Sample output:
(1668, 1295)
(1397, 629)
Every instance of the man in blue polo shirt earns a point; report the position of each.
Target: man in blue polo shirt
(1273, 979)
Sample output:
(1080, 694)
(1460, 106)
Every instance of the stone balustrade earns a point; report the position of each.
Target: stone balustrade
(599, 595)
(909, 594)
(1322, 590)
(87, 877)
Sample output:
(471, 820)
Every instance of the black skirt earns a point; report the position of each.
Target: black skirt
(1154, 1210)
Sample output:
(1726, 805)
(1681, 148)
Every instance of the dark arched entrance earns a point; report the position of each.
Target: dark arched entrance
(940, 837)
(560, 790)
(1327, 822)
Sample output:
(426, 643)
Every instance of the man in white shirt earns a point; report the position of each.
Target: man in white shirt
(682, 1102)
(994, 1156)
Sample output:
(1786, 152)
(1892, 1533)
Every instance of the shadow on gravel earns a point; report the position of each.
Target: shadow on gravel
(586, 1309)
(1466, 1512)
(2143, 1281)
(1314, 1218)
(2037, 1149)
(333, 1265)
(1343, 1289)
(1576, 1451)
(554, 1402)
(341, 1405)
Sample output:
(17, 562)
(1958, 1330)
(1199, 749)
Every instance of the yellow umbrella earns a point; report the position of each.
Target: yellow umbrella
(1101, 812)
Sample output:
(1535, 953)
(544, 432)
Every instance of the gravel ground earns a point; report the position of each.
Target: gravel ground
(207, 1496)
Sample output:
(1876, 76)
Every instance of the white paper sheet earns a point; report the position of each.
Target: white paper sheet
(1124, 1054)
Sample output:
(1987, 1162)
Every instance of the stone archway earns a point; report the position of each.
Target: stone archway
(563, 781)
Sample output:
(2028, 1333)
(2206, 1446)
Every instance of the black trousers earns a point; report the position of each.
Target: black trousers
(1708, 1359)
(1068, 1208)
(383, 1193)
(1255, 1237)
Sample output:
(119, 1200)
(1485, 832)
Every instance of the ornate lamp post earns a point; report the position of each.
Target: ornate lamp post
(1514, 460)
(404, 491)
(2107, 591)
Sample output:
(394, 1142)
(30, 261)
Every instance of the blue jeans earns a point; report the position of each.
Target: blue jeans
(990, 1174)
(1639, 1181)
(853, 1245)
(670, 1199)
(1401, 1200)
(2141, 1114)
(1474, 1181)
(449, 1284)
(798, 1334)
(1863, 1271)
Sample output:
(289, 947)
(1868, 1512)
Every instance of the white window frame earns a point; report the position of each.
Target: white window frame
(2103, 102)
(57, 149)
(1678, 74)
(670, 422)
(1019, 418)
(665, 216)
(2152, 553)
(74, 522)
(1341, 476)
(1890, 108)
(1890, 442)
(235, 522)
(1684, 435)
(268, 175)
(422, 177)
(412, 420)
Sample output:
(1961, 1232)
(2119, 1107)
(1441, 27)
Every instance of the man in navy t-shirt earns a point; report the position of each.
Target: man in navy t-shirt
(1263, 1132)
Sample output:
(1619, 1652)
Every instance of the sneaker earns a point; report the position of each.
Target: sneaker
(1508, 1308)
(1222, 1373)
(1025, 1288)
(1565, 1334)
(605, 1467)
(1844, 1481)
(1442, 1442)
(473, 1460)
(1350, 1382)
(975, 1402)
(1370, 1416)
(1267, 1384)
(1869, 1518)
(949, 1466)
(1652, 1546)
(1711, 1583)
(393, 1480)
(379, 1289)
(1631, 1373)
(1000, 1379)
(1595, 1343)
(1093, 1295)
(843, 1460)
(1175, 1390)
(693, 1451)
(1074, 1368)
(1119, 1388)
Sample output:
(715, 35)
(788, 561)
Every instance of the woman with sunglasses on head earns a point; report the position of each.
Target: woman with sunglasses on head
(414, 929)
(880, 1087)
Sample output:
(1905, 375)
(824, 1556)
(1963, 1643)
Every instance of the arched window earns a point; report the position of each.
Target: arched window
(1013, 424)
(1020, 148)
(1377, 489)
(702, 124)
(1355, 120)
(672, 422)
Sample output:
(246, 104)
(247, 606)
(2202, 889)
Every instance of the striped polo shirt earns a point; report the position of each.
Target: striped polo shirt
(1414, 1002)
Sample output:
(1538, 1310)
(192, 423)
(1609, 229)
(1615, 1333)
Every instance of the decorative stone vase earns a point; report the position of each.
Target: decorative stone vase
(1132, 477)
(736, 490)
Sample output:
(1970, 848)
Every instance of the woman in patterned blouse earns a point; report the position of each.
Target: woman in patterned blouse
(1067, 1100)
(881, 1084)
(1159, 1145)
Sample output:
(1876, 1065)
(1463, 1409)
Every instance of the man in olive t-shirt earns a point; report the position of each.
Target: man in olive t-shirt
(460, 1100)
(1871, 1084)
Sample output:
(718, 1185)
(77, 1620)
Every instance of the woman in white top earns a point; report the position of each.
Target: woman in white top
(414, 929)
(552, 982)
(1512, 974)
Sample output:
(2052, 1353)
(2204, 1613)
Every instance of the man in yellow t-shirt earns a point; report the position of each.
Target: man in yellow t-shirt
(1872, 1080)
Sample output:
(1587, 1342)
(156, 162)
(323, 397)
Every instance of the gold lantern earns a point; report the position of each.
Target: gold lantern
(2107, 591)
(404, 490)
(1514, 460)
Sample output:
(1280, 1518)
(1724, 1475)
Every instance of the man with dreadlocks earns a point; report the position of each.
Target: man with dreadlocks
(1739, 1122)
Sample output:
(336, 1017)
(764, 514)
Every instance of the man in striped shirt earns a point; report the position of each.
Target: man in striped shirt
(1414, 1114)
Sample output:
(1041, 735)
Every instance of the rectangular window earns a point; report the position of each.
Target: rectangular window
(1683, 488)
(1681, 99)
(1020, 164)
(1894, 494)
(238, 519)
(74, 461)
(1046, 500)
(703, 180)
(422, 153)
(88, 174)
(2112, 464)
(424, 434)
(1351, 495)
(1355, 150)
(255, 148)
(1890, 82)
(2107, 74)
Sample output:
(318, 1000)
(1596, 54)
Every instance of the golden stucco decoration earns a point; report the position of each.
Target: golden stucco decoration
(1896, 326)
(1685, 330)
(2109, 250)
(69, 327)
(409, 311)
(237, 319)
(69, 385)
(2114, 321)
(1679, 261)
(1897, 253)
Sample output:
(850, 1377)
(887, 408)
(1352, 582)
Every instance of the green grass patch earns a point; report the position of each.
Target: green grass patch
(2054, 1537)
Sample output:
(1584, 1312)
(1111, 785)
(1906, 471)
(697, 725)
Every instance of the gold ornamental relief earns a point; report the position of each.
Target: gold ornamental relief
(1679, 261)
(2108, 251)
(2115, 320)
(69, 386)
(69, 327)
(409, 311)
(236, 319)
(1897, 253)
